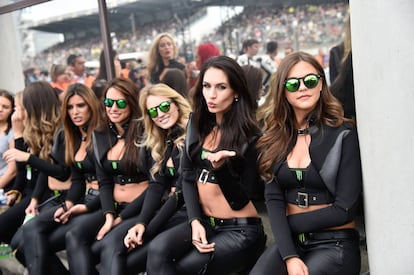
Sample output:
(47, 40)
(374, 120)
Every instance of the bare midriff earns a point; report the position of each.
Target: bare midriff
(128, 192)
(214, 203)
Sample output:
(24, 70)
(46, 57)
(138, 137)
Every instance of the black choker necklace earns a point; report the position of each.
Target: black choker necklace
(302, 132)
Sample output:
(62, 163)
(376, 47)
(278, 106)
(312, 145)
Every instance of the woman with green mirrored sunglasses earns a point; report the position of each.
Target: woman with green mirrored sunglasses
(309, 157)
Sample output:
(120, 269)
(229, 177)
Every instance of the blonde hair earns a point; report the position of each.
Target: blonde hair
(42, 118)
(155, 136)
(154, 57)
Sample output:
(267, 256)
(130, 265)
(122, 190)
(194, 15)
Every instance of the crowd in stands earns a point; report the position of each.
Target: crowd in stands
(306, 27)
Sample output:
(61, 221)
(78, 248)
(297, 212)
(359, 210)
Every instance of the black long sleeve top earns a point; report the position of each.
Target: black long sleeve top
(335, 154)
(57, 169)
(238, 177)
(144, 205)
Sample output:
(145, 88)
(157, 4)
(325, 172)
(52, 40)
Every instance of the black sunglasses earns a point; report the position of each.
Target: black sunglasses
(164, 107)
(310, 81)
(120, 103)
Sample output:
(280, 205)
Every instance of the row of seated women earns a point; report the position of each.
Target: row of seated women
(146, 182)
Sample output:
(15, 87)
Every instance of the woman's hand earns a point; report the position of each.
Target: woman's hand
(74, 210)
(134, 237)
(32, 208)
(199, 238)
(106, 227)
(17, 121)
(217, 159)
(296, 266)
(66, 206)
(16, 155)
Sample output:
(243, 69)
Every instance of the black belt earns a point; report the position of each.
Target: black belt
(233, 221)
(303, 198)
(90, 178)
(122, 180)
(204, 175)
(329, 235)
(92, 192)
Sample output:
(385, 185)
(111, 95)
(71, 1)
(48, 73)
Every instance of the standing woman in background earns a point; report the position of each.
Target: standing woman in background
(7, 170)
(45, 234)
(311, 163)
(162, 54)
(224, 233)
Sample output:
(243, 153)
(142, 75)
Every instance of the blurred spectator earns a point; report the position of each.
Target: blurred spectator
(162, 54)
(175, 78)
(250, 49)
(204, 51)
(76, 63)
(268, 63)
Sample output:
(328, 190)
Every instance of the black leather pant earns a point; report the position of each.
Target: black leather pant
(114, 258)
(237, 247)
(329, 256)
(79, 239)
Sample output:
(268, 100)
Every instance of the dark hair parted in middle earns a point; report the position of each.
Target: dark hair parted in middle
(238, 123)
(133, 127)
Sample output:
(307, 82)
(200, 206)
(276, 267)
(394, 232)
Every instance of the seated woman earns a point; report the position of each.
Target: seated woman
(45, 234)
(8, 170)
(310, 160)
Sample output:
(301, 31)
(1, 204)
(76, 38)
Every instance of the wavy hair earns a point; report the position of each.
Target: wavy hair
(279, 124)
(9, 97)
(72, 132)
(155, 136)
(239, 123)
(154, 57)
(135, 129)
(43, 118)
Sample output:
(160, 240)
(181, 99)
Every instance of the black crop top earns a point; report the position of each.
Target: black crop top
(303, 186)
(144, 205)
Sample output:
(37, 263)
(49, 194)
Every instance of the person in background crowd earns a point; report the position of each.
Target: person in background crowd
(175, 78)
(76, 63)
(103, 74)
(45, 234)
(7, 170)
(254, 77)
(61, 77)
(203, 53)
(342, 73)
(250, 49)
(310, 161)
(268, 63)
(224, 233)
(162, 54)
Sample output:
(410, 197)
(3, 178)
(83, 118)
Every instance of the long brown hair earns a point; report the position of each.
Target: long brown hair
(72, 132)
(43, 118)
(135, 128)
(279, 125)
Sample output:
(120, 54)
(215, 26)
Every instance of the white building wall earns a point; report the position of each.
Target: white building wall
(11, 72)
(383, 59)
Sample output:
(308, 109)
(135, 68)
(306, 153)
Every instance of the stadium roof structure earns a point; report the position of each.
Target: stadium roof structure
(119, 16)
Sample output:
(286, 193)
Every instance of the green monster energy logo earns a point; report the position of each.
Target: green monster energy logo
(299, 175)
(114, 165)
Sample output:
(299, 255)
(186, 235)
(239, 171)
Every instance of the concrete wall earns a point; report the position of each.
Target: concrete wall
(11, 71)
(383, 59)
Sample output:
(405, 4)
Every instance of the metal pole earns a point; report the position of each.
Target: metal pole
(106, 40)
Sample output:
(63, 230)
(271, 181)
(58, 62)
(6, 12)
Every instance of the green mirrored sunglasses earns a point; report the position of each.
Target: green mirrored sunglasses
(310, 81)
(120, 103)
(164, 107)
